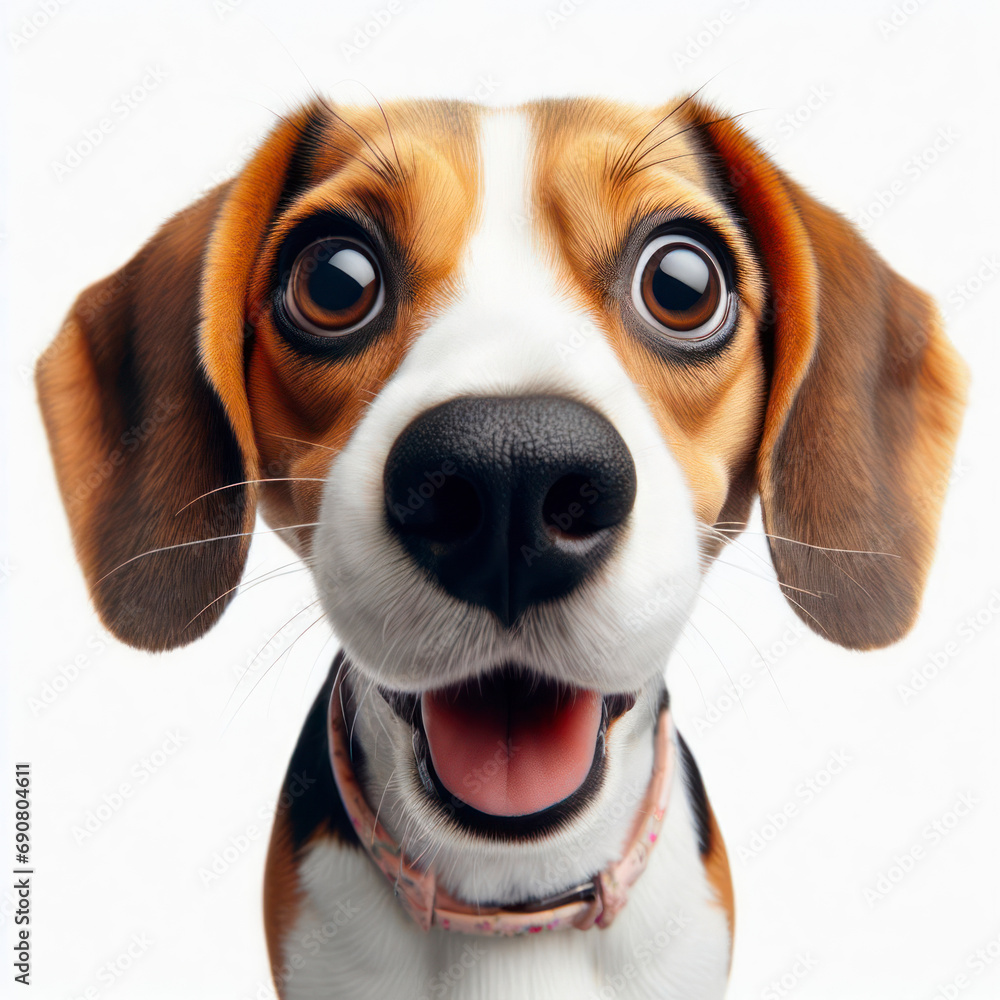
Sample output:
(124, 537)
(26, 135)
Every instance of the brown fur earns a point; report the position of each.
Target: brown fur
(838, 399)
(710, 415)
(717, 871)
(864, 409)
(129, 352)
(136, 432)
(283, 896)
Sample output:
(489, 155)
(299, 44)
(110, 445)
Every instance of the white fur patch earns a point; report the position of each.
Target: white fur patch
(353, 941)
(510, 332)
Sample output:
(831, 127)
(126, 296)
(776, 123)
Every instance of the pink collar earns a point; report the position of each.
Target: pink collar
(596, 902)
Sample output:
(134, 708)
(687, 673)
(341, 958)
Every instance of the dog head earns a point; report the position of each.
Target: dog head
(508, 380)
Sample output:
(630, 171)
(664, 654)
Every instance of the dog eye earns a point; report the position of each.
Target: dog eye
(679, 288)
(335, 287)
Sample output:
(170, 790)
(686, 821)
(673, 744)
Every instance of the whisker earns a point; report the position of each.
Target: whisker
(699, 592)
(321, 99)
(729, 677)
(311, 444)
(635, 169)
(656, 163)
(272, 574)
(385, 168)
(385, 118)
(266, 670)
(357, 711)
(380, 801)
(621, 162)
(203, 541)
(249, 482)
(694, 676)
(716, 532)
(286, 656)
(809, 545)
(769, 579)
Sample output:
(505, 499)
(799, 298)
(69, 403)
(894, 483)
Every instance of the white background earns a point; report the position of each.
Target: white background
(880, 95)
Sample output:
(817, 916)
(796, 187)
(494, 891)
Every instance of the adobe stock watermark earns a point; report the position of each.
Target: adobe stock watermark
(982, 959)
(418, 496)
(898, 16)
(711, 29)
(913, 168)
(562, 871)
(98, 816)
(932, 836)
(785, 984)
(111, 972)
(940, 660)
(272, 644)
(616, 982)
(160, 412)
(311, 943)
(122, 108)
(572, 515)
(369, 30)
(562, 12)
(484, 774)
(762, 663)
(474, 780)
(444, 982)
(805, 793)
(965, 291)
(225, 856)
(223, 8)
(67, 674)
(485, 87)
(31, 25)
(579, 336)
(788, 124)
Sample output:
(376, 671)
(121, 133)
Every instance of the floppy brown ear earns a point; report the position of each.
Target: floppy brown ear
(144, 401)
(865, 405)
(136, 433)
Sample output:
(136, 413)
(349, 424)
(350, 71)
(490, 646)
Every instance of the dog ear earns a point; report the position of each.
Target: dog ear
(144, 402)
(137, 433)
(864, 408)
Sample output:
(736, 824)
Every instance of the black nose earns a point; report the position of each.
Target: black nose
(508, 501)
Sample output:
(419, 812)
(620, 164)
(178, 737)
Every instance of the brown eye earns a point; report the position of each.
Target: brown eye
(679, 287)
(334, 288)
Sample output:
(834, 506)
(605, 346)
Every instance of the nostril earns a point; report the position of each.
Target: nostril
(444, 512)
(508, 501)
(577, 506)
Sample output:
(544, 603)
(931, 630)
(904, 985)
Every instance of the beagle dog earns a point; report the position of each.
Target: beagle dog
(508, 381)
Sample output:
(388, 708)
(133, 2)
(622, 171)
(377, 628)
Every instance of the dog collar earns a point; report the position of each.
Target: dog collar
(595, 902)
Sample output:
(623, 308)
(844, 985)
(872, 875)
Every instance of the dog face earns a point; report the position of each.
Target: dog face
(508, 381)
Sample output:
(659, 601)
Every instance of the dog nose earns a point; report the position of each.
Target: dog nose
(509, 501)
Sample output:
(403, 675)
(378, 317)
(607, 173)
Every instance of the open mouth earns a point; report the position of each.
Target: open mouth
(510, 746)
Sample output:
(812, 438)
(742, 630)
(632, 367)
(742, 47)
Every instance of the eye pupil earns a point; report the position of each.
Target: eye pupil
(337, 284)
(681, 280)
(334, 286)
(682, 289)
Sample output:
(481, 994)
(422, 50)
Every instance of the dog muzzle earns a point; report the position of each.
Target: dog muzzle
(596, 902)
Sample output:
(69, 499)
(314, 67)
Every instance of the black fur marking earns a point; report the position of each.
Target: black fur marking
(298, 177)
(309, 792)
(697, 798)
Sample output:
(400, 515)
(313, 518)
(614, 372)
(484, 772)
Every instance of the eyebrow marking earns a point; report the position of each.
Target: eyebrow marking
(298, 176)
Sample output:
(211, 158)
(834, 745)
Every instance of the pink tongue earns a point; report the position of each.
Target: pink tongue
(510, 749)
